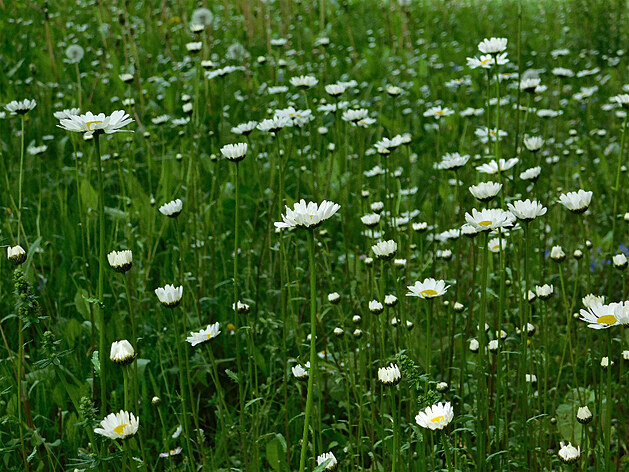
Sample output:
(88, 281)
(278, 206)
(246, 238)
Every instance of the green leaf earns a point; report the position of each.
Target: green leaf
(232, 375)
(276, 452)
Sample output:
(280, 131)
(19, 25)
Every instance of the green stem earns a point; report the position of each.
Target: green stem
(447, 451)
(609, 405)
(313, 353)
(19, 192)
(617, 189)
(482, 365)
(101, 274)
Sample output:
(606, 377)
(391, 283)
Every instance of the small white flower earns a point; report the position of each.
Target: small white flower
(568, 453)
(301, 372)
(331, 461)
(21, 107)
(375, 307)
(234, 152)
(389, 375)
(531, 174)
(169, 295)
(119, 425)
(334, 297)
(584, 415)
(308, 215)
(390, 300)
(385, 250)
(370, 220)
(492, 45)
(436, 416)
(534, 143)
(429, 288)
(120, 261)
(122, 352)
(171, 209)
(526, 210)
(544, 292)
(199, 337)
(576, 202)
(304, 81)
(91, 124)
(620, 261)
(16, 254)
(557, 254)
(485, 191)
(474, 345)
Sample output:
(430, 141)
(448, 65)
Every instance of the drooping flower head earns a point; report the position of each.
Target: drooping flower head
(122, 352)
(169, 295)
(576, 202)
(526, 210)
(21, 107)
(492, 45)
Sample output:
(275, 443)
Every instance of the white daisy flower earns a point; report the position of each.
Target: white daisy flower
(91, 124)
(307, 215)
(199, 337)
(429, 288)
(169, 295)
(119, 425)
(436, 416)
(576, 202)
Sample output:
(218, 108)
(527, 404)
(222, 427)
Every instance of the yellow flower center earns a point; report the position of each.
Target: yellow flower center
(209, 335)
(484, 62)
(485, 223)
(440, 112)
(231, 327)
(607, 320)
(429, 292)
(90, 123)
(119, 430)
(311, 217)
(495, 247)
(437, 419)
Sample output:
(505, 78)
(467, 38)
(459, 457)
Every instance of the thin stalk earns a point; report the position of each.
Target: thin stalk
(447, 451)
(19, 192)
(101, 274)
(609, 405)
(617, 189)
(313, 353)
(482, 365)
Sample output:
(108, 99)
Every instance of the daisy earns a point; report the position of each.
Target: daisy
(67, 113)
(245, 128)
(495, 244)
(300, 372)
(526, 210)
(452, 161)
(568, 453)
(122, 352)
(485, 191)
(91, 124)
(169, 295)
(370, 220)
(436, 416)
(119, 425)
(16, 254)
(204, 335)
(171, 209)
(355, 115)
(389, 375)
(485, 134)
(120, 261)
(304, 81)
(529, 85)
(599, 315)
(334, 90)
(385, 250)
(308, 215)
(576, 202)
(172, 452)
(438, 112)
(531, 174)
(429, 288)
(234, 152)
(492, 45)
(375, 307)
(488, 219)
(533, 143)
(21, 107)
(328, 459)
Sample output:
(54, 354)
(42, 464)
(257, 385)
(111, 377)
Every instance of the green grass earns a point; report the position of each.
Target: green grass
(245, 410)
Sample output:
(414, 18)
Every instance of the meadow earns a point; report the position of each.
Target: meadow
(288, 235)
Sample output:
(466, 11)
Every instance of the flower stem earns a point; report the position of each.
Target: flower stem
(101, 274)
(313, 353)
(19, 191)
(447, 451)
(482, 365)
(609, 405)
(617, 189)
